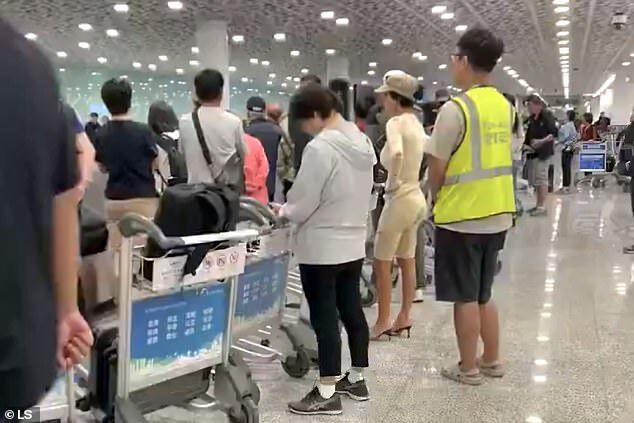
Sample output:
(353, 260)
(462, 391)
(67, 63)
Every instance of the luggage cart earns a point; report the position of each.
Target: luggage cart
(593, 160)
(58, 405)
(176, 337)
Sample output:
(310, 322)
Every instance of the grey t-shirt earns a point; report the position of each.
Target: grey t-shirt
(448, 133)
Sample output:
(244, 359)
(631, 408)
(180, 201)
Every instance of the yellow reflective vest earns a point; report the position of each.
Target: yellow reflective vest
(479, 177)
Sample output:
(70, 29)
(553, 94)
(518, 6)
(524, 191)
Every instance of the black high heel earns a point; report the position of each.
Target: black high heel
(397, 332)
(387, 333)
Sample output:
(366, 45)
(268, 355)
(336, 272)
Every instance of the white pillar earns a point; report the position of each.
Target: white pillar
(623, 98)
(213, 42)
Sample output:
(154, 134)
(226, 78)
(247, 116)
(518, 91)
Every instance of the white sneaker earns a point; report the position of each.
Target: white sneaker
(418, 296)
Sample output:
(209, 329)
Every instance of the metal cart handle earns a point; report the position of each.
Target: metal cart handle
(250, 212)
(265, 211)
(132, 224)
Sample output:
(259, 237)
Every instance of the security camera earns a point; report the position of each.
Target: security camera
(619, 20)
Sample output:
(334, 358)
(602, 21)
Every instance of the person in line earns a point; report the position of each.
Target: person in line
(221, 132)
(516, 143)
(92, 126)
(329, 203)
(269, 134)
(298, 137)
(256, 170)
(286, 157)
(474, 201)
(170, 164)
(567, 138)
(405, 205)
(42, 330)
(126, 151)
(103, 121)
(274, 113)
(360, 116)
(540, 143)
(587, 130)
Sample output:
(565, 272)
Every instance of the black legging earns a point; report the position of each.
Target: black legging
(566, 167)
(333, 292)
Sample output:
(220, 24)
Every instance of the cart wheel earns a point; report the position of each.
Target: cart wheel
(248, 412)
(595, 183)
(265, 343)
(369, 299)
(297, 366)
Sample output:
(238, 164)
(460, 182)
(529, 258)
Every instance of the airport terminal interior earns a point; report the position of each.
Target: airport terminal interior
(564, 288)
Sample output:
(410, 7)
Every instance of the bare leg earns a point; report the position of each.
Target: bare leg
(382, 272)
(408, 284)
(542, 192)
(467, 325)
(489, 330)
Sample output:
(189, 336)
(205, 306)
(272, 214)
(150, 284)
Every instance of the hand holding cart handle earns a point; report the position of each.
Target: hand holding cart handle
(264, 211)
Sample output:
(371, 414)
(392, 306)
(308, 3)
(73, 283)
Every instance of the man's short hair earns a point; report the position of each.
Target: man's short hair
(481, 47)
(535, 99)
(117, 96)
(209, 84)
(94, 115)
(314, 79)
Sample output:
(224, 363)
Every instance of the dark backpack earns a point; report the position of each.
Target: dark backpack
(178, 166)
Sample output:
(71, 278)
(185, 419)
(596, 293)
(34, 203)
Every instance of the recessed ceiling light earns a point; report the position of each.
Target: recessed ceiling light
(435, 82)
(386, 41)
(289, 78)
(238, 39)
(280, 37)
(564, 50)
(564, 57)
(364, 82)
(195, 50)
(151, 67)
(121, 8)
(102, 60)
(562, 9)
(562, 23)
(626, 63)
(85, 26)
(163, 58)
(515, 76)
(265, 63)
(269, 82)
(304, 71)
(523, 83)
(442, 67)
(30, 36)
(505, 68)
(342, 21)
(421, 78)
(330, 51)
(631, 54)
(254, 61)
(461, 28)
(84, 45)
(232, 69)
(563, 42)
(284, 85)
(539, 378)
(112, 32)
(437, 10)
(175, 5)
(296, 79)
(534, 419)
(371, 72)
(372, 64)
(447, 16)
(560, 2)
(272, 75)
(244, 79)
(62, 69)
(563, 33)
(295, 53)
(328, 14)
(180, 71)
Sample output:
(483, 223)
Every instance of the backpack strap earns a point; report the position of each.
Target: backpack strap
(201, 138)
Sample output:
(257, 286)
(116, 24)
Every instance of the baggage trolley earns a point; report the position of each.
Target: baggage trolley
(173, 338)
(57, 406)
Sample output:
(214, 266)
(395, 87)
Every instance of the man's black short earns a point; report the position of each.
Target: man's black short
(465, 265)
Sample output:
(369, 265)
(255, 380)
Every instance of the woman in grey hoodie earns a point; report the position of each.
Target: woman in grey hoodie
(329, 203)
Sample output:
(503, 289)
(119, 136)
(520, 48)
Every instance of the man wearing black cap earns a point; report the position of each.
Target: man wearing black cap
(269, 135)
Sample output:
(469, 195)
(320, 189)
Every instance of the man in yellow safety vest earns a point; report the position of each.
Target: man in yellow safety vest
(470, 174)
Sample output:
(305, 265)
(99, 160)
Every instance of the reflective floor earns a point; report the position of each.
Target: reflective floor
(568, 334)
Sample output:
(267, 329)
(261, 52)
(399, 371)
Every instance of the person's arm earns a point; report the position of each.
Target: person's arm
(262, 171)
(241, 146)
(436, 174)
(304, 198)
(394, 150)
(85, 159)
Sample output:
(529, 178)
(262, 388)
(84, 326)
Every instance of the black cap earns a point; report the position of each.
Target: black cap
(256, 104)
(534, 98)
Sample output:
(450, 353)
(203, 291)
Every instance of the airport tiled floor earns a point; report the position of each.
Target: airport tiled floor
(568, 334)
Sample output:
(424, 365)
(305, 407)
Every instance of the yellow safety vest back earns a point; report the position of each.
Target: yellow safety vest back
(479, 177)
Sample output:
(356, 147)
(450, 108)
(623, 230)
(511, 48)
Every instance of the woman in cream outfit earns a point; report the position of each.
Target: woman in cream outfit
(405, 206)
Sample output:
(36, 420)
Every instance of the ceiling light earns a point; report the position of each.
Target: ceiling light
(461, 28)
(330, 51)
(238, 39)
(180, 71)
(562, 22)
(420, 78)
(254, 60)
(372, 64)
(244, 79)
(84, 45)
(195, 50)
(295, 53)
(84, 26)
(163, 58)
(328, 14)
(626, 63)
(269, 82)
(280, 37)
(304, 71)
(437, 10)
(533, 419)
(627, 78)
(563, 33)
(284, 85)
(102, 60)
(442, 67)
(563, 42)
(62, 69)
(515, 76)
(151, 67)
(386, 41)
(265, 63)
(523, 83)
(342, 21)
(605, 85)
(194, 63)
(289, 78)
(175, 5)
(564, 50)
(422, 57)
(272, 75)
(136, 65)
(296, 79)
(539, 378)
(447, 16)
(435, 82)
(121, 8)
(560, 2)
(562, 9)
(364, 82)
(30, 36)
(564, 57)
(371, 72)
(232, 69)
(112, 32)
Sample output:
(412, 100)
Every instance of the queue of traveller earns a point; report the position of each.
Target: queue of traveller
(326, 166)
